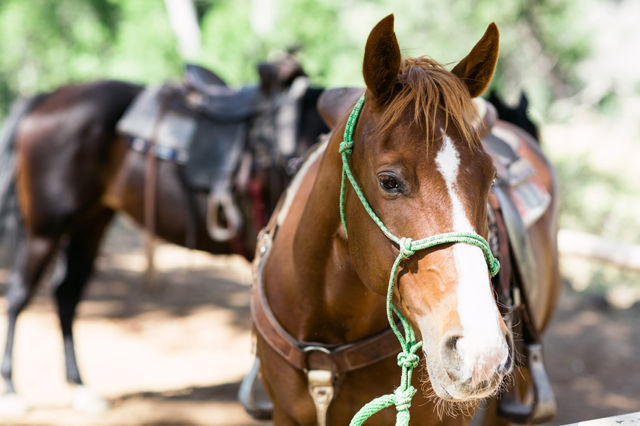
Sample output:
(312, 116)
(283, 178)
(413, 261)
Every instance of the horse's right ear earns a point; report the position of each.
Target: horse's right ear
(381, 60)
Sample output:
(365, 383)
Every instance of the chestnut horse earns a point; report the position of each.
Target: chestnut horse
(322, 282)
(74, 172)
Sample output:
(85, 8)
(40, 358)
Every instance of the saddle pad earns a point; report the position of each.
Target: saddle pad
(173, 132)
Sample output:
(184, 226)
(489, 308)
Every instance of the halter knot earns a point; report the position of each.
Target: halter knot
(408, 360)
(403, 397)
(494, 265)
(346, 147)
(406, 250)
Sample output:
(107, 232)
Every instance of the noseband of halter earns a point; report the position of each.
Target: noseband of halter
(407, 359)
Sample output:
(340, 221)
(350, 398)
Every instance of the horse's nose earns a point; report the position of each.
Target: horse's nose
(475, 362)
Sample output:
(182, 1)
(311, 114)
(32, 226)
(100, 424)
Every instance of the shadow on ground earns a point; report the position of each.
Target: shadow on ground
(162, 356)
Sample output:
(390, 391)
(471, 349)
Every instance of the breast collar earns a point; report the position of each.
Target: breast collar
(304, 355)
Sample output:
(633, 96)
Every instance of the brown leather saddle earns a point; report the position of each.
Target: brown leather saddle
(216, 133)
(198, 122)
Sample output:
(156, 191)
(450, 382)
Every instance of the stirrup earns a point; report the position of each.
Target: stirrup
(543, 407)
(259, 410)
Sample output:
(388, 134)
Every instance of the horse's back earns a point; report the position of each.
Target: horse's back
(103, 99)
(63, 150)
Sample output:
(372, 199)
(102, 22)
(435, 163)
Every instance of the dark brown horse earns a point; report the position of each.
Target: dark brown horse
(319, 300)
(74, 172)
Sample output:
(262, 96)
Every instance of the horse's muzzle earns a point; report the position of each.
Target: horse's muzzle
(474, 369)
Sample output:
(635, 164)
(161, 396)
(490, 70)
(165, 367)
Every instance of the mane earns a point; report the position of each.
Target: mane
(430, 88)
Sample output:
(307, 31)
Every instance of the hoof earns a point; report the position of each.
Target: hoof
(87, 401)
(12, 405)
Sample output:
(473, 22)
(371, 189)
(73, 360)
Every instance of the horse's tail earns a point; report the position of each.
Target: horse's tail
(10, 223)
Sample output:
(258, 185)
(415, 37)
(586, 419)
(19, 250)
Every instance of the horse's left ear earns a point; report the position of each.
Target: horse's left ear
(477, 68)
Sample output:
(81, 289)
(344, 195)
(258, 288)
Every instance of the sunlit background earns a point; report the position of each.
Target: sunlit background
(578, 61)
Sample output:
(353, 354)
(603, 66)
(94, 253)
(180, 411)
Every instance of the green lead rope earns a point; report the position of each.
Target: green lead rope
(407, 358)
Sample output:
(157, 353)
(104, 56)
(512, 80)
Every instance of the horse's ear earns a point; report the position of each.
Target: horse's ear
(381, 60)
(477, 68)
(524, 102)
(268, 77)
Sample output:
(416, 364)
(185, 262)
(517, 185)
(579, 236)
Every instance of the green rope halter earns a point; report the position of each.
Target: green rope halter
(407, 358)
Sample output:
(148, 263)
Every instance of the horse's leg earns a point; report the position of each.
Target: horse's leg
(487, 415)
(33, 255)
(80, 254)
(281, 418)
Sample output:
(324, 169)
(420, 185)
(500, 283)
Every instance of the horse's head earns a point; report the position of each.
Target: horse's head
(280, 73)
(419, 161)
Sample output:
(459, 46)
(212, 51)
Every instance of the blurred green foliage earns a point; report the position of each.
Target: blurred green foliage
(47, 43)
(566, 54)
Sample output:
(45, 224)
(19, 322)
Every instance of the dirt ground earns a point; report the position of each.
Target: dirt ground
(175, 355)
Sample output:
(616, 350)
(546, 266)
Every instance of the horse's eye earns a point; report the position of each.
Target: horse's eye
(389, 183)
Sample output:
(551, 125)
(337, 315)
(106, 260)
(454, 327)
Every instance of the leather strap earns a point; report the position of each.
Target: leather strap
(509, 277)
(150, 196)
(504, 276)
(310, 355)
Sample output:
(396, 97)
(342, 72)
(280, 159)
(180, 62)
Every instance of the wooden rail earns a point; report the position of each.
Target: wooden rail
(580, 244)
(625, 419)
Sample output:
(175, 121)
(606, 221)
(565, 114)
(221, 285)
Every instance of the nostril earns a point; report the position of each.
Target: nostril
(451, 357)
(451, 343)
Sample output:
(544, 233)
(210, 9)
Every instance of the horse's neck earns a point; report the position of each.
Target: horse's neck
(319, 296)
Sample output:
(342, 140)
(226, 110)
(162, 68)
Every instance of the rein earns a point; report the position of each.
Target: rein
(407, 358)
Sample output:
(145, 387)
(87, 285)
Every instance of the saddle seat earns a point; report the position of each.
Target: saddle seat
(201, 78)
(222, 104)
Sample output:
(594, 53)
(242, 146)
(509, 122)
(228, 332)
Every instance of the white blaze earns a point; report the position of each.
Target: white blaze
(482, 338)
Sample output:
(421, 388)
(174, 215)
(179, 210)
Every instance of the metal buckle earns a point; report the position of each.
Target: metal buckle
(312, 348)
